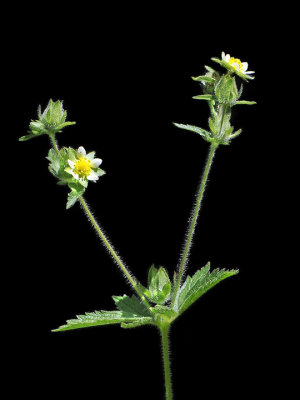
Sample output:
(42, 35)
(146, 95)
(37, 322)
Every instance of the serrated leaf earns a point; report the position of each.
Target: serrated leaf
(99, 318)
(193, 128)
(202, 281)
(131, 305)
(73, 196)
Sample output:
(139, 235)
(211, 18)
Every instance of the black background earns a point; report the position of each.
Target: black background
(124, 75)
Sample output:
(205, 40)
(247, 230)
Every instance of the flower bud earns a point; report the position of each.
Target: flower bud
(51, 121)
(54, 114)
(226, 90)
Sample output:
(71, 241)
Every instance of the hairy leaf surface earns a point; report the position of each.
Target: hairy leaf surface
(202, 281)
(99, 318)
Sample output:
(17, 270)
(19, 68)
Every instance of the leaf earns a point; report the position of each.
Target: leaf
(203, 78)
(73, 196)
(137, 323)
(249, 103)
(131, 305)
(208, 97)
(235, 134)
(202, 281)
(193, 128)
(27, 137)
(212, 126)
(99, 318)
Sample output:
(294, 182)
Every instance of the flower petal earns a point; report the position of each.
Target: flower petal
(96, 162)
(244, 66)
(81, 151)
(93, 176)
(223, 56)
(250, 72)
(75, 175)
(227, 57)
(71, 163)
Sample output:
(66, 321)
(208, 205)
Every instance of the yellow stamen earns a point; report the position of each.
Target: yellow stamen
(237, 61)
(83, 167)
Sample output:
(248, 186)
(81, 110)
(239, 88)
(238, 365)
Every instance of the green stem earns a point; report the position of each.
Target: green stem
(112, 251)
(193, 222)
(53, 141)
(164, 330)
(105, 240)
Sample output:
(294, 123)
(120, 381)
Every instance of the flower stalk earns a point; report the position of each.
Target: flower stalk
(192, 225)
(112, 251)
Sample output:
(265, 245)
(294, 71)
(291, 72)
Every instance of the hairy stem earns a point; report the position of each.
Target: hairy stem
(105, 240)
(192, 225)
(54, 143)
(164, 330)
(112, 251)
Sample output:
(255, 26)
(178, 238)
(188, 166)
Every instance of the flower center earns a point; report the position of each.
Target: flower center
(83, 167)
(235, 63)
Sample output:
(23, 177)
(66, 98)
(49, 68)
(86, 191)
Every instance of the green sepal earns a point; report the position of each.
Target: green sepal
(194, 287)
(226, 90)
(159, 286)
(59, 164)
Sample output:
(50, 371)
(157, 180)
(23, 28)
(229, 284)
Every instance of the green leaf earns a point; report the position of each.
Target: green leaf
(137, 323)
(202, 281)
(131, 305)
(203, 78)
(212, 126)
(99, 318)
(74, 195)
(235, 134)
(193, 128)
(208, 97)
(68, 123)
(249, 103)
